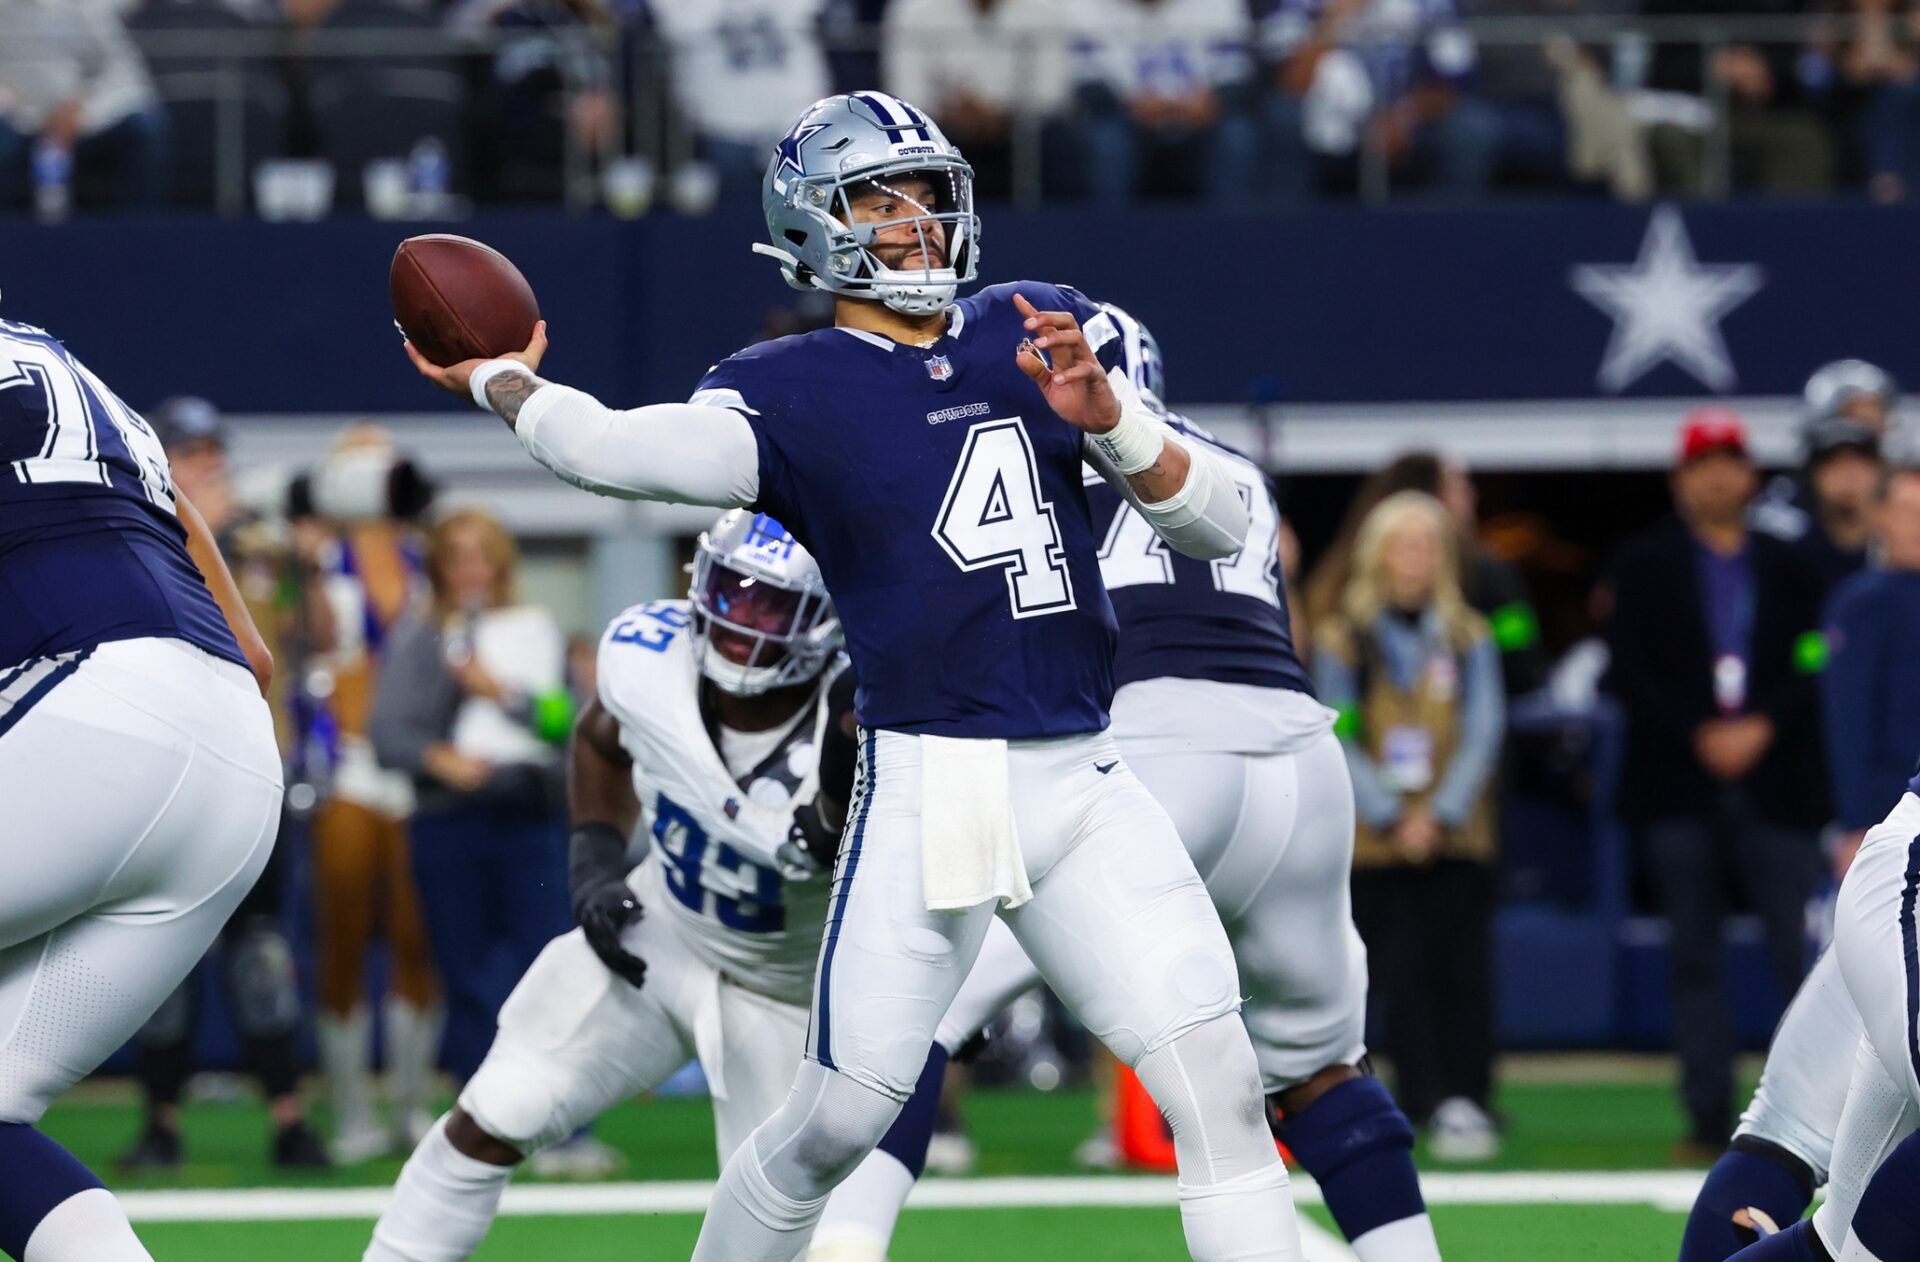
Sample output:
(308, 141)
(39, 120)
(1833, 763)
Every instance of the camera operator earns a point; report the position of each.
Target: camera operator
(256, 961)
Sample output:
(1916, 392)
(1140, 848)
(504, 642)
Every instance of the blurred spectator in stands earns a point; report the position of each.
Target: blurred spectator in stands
(1164, 86)
(553, 89)
(472, 704)
(1493, 587)
(367, 573)
(1828, 515)
(1776, 143)
(77, 108)
(1872, 70)
(742, 72)
(257, 965)
(1414, 674)
(981, 68)
(1390, 75)
(1713, 638)
(1871, 689)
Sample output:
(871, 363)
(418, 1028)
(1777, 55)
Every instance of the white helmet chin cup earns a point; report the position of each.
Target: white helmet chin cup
(928, 294)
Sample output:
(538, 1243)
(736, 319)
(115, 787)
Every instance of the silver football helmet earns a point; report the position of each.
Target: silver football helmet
(761, 615)
(1138, 353)
(1834, 385)
(848, 147)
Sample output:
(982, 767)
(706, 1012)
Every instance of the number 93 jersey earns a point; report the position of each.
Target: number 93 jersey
(711, 836)
(941, 497)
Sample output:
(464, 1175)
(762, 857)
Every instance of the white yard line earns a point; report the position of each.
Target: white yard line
(1669, 1190)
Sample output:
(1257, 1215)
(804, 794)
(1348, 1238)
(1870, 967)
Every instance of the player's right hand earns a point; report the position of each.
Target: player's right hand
(457, 378)
(604, 908)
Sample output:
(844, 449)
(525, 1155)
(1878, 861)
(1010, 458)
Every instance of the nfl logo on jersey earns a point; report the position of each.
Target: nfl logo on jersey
(939, 367)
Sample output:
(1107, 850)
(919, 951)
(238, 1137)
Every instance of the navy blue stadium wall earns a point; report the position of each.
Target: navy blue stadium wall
(1321, 306)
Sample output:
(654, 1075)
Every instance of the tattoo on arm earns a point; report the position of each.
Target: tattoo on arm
(508, 392)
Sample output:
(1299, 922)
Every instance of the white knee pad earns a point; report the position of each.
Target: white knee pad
(1208, 1084)
(827, 1127)
(518, 1101)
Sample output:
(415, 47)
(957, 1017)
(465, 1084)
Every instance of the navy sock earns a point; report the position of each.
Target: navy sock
(1888, 1220)
(1797, 1243)
(910, 1133)
(1751, 1173)
(1358, 1146)
(36, 1175)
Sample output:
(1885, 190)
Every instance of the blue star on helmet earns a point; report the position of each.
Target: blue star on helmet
(789, 148)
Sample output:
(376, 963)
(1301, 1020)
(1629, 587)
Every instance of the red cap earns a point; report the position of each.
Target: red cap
(1709, 429)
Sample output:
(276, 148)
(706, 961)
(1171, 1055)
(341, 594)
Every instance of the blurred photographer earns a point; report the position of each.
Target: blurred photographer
(352, 517)
(256, 962)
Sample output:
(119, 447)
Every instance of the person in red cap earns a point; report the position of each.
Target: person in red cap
(1711, 637)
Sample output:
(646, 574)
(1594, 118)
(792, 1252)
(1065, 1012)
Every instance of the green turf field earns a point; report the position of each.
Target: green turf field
(1586, 1137)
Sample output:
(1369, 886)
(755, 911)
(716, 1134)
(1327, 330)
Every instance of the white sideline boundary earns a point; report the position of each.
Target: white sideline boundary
(1666, 1190)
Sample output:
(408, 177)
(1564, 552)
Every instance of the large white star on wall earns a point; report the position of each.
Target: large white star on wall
(1666, 307)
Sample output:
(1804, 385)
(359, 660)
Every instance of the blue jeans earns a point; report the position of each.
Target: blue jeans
(1113, 145)
(133, 149)
(493, 891)
(1890, 133)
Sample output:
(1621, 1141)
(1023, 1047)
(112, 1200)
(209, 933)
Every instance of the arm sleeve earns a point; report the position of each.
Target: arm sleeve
(1335, 684)
(1848, 695)
(407, 711)
(681, 453)
(1483, 721)
(1206, 518)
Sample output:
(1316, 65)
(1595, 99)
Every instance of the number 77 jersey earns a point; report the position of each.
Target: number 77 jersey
(1179, 618)
(942, 498)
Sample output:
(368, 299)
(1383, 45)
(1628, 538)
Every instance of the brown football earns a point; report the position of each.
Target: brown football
(457, 299)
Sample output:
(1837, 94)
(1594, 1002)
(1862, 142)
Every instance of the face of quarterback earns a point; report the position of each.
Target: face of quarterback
(467, 567)
(898, 201)
(1410, 559)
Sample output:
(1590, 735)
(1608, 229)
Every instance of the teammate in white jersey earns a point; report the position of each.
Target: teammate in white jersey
(706, 733)
(138, 769)
(928, 450)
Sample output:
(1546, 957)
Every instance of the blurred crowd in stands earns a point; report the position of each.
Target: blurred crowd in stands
(1241, 104)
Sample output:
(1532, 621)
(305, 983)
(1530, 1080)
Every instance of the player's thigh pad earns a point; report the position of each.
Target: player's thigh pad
(761, 1041)
(1120, 924)
(574, 1039)
(1804, 1085)
(888, 967)
(143, 798)
(1875, 939)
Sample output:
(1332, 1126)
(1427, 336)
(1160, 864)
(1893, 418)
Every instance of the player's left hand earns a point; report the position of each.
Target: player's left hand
(814, 836)
(458, 378)
(603, 909)
(1075, 385)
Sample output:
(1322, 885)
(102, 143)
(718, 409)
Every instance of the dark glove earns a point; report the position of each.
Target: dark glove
(811, 834)
(602, 903)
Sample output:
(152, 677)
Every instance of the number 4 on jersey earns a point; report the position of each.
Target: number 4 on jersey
(993, 516)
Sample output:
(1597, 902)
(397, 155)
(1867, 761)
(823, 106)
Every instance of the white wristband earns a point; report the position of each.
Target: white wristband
(1135, 443)
(477, 384)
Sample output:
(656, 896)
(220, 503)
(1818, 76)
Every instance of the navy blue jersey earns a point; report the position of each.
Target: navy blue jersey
(90, 547)
(942, 498)
(1185, 619)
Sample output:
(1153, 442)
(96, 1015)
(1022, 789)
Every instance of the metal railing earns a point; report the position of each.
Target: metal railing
(652, 126)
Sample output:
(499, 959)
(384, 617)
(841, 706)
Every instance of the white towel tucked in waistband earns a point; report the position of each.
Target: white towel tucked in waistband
(969, 848)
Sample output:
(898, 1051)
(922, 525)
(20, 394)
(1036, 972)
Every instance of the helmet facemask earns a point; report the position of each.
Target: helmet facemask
(756, 631)
(929, 209)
